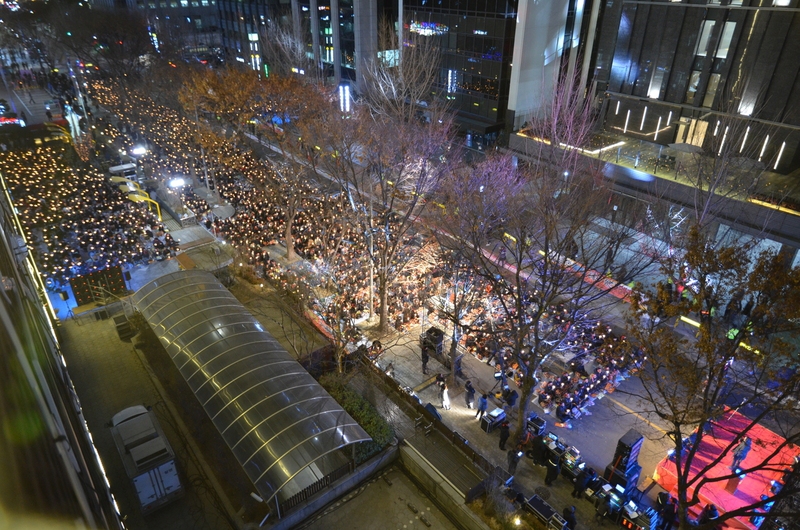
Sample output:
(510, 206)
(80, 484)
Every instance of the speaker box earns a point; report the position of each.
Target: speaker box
(627, 454)
(628, 481)
(127, 276)
(64, 295)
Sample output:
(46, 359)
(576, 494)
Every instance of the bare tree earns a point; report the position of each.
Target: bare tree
(745, 306)
(539, 236)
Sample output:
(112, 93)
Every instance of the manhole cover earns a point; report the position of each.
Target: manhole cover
(542, 492)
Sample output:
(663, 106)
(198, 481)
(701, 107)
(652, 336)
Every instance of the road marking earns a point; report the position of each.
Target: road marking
(631, 411)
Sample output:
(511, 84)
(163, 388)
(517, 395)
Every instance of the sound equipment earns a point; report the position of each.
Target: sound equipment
(97, 286)
(64, 295)
(627, 454)
(434, 339)
(627, 481)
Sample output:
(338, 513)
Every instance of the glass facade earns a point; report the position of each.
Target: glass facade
(476, 39)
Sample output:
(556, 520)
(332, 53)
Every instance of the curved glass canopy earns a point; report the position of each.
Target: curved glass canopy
(282, 426)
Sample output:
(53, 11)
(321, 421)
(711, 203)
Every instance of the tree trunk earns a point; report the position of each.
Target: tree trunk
(383, 295)
(289, 239)
(452, 381)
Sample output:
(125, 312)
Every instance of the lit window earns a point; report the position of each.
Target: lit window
(705, 36)
(725, 40)
(204, 3)
(184, 3)
(694, 80)
(781, 3)
(711, 90)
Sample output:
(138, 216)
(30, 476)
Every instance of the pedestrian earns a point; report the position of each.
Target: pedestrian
(425, 359)
(604, 509)
(469, 394)
(505, 432)
(581, 481)
(539, 451)
(511, 400)
(740, 452)
(569, 517)
(440, 379)
(49, 115)
(667, 514)
(553, 469)
(445, 397)
(30, 97)
(483, 404)
(513, 456)
(709, 514)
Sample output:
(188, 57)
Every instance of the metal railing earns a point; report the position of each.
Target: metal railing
(301, 496)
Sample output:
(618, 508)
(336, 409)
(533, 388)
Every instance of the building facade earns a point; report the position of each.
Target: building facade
(191, 25)
(52, 475)
(670, 71)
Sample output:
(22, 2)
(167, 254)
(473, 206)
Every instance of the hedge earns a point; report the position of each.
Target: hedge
(364, 413)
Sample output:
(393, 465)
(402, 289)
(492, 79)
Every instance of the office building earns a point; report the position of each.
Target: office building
(670, 71)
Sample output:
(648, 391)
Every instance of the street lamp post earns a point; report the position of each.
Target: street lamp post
(176, 184)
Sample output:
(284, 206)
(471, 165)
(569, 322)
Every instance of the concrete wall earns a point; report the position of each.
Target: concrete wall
(449, 499)
(538, 47)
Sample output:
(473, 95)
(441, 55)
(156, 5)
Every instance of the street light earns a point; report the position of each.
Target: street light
(139, 150)
(176, 184)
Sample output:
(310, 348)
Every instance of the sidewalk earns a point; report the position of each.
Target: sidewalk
(403, 352)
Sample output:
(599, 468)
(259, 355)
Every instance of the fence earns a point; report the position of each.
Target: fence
(461, 443)
(315, 488)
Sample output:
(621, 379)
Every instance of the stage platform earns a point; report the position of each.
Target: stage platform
(766, 446)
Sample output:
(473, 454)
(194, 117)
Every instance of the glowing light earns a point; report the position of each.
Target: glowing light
(427, 29)
(780, 154)
(724, 137)
(744, 140)
(644, 115)
(655, 136)
(627, 117)
(763, 148)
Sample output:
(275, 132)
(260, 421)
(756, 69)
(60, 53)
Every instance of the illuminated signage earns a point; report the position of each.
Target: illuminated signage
(427, 28)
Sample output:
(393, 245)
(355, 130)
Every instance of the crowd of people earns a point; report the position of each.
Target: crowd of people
(322, 229)
(75, 220)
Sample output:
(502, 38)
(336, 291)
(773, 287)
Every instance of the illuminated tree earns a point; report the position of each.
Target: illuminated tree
(740, 296)
(745, 306)
(530, 232)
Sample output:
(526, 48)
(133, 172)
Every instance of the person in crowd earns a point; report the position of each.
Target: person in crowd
(709, 514)
(469, 395)
(505, 432)
(513, 457)
(483, 404)
(740, 452)
(444, 394)
(603, 510)
(569, 517)
(553, 469)
(667, 514)
(582, 481)
(425, 359)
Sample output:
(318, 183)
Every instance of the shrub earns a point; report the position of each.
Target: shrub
(363, 412)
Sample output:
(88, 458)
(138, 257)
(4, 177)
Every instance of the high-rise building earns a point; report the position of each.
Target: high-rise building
(191, 24)
(669, 71)
(499, 57)
(52, 475)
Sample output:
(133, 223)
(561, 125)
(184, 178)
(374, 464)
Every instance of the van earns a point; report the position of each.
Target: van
(147, 456)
